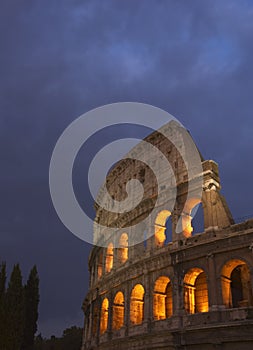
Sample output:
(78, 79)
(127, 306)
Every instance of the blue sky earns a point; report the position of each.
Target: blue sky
(58, 60)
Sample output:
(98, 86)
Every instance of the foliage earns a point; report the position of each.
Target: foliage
(71, 340)
(14, 310)
(18, 309)
(31, 293)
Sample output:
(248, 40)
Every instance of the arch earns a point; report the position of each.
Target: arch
(197, 214)
(137, 304)
(109, 258)
(195, 291)
(100, 265)
(187, 216)
(236, 284)
(104, 316)
(118, 311)
(162, 298)
(123, 248)
(160, 227)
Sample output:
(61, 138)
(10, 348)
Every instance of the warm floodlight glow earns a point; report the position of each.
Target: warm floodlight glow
(162, 298)
(236, 284)
(137, 304)
(190, 204)
(109, 258)
(123, 248)
(104, 316)
(195, 291)
(100, 265)
(118, 311)
(160, 227)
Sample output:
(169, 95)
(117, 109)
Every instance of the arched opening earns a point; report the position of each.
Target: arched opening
(137, 304)
(236, 284)
(162, 298)
(195, 291)
(123, 248)
(109, 258)
(197, 214)
(100, 265)
(104, 316)
(190, 208)
(118, 311)
(162, 233)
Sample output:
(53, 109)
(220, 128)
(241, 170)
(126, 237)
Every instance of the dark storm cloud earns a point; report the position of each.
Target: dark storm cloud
(59, 59)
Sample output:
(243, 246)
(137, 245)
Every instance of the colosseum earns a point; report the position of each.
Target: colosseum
(185, 285)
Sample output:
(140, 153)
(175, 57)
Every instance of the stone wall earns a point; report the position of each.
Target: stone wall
(192, 291)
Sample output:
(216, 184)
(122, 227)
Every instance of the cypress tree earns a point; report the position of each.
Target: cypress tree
(2, 279)
(31, 294)
(2, 305)
(15, 310)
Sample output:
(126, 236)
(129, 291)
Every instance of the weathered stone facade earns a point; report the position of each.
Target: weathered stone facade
(193, 291)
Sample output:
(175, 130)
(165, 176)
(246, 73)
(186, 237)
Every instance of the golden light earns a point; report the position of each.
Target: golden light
(109, 258)
(118, 311)
(162, 298)
(160, 228)
(190, 204)
(236, 284)
(100, 265)
(137, 304)
(187, 225)
(196, 291)
(104, 316)
(123, 248)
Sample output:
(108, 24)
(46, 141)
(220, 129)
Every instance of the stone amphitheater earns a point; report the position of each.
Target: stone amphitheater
(173, 290)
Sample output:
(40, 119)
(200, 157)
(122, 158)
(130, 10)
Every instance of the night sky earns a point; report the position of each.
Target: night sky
(59, 59)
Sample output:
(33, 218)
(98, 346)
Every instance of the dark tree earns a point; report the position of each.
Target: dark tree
(2, 279)
(2, 305)
(14, 311)
(31, 295)
(39, 343)
(71, 338)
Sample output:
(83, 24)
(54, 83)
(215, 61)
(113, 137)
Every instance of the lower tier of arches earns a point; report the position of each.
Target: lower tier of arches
(225, 329)
(113, 312)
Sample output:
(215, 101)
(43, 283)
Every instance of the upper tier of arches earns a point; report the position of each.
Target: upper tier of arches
(116, 253)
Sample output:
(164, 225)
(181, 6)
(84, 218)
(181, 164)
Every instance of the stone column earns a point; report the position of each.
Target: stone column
(147, 301)
(151, 238)
(212, 283)
(110, 311)
(175, 218)
(226, 291)
(178, 294)
(127, 308)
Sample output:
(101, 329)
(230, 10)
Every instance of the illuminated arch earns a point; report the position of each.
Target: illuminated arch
(118, 311)
(162, 298)
(236, 284)
(195, 291)
(104, 316)
(123, 248)
(100, 265)
(109, 258)
(137, 304)
(186, 216)
(160, 227)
